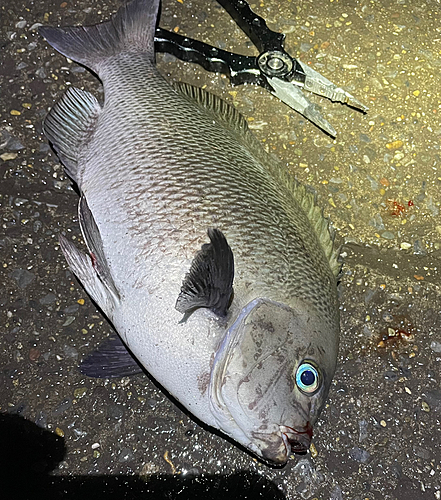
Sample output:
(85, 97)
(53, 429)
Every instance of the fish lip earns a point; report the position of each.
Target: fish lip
(296, 441)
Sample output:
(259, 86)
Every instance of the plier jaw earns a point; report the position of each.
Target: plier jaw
(274, 69)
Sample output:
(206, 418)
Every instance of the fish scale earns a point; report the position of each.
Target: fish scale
(171, 180)
(171, 185)
(157, 167)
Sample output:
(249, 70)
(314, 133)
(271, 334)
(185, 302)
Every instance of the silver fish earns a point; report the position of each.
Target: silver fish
(241, 326)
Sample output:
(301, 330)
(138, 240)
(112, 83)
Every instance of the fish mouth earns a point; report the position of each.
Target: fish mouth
(296, 441)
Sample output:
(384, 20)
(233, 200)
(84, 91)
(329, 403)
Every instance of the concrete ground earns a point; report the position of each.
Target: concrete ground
(379, 182)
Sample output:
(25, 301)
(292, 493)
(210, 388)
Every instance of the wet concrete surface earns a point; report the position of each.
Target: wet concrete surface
(379, 182)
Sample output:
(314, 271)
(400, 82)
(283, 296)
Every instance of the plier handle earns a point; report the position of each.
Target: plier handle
(274, 69)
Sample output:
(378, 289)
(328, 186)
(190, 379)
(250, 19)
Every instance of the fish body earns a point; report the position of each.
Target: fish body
(157, 167)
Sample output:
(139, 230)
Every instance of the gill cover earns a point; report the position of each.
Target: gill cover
(268, 377)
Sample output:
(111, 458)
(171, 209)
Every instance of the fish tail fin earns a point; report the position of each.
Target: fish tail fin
(131, 29)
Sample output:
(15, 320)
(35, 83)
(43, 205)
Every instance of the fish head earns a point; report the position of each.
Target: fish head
(272, 375)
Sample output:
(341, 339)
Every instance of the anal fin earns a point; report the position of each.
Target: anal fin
(92, 237)
(83, 268)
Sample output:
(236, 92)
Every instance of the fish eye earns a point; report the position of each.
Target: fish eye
(307, 378)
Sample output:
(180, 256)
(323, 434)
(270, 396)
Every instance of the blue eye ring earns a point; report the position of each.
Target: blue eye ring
(308, 377)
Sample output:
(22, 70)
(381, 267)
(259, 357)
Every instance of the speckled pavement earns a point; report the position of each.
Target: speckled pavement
(379, 181)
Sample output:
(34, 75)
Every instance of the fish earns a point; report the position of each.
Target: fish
(216, 268)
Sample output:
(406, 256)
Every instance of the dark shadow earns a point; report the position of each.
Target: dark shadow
(29, 453)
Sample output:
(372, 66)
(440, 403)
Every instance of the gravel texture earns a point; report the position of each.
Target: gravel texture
(379, 182)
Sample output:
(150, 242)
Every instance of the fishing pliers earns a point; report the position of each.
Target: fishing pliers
(274, 69)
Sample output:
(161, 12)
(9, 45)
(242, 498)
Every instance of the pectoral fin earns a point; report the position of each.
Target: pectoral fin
(209, 282)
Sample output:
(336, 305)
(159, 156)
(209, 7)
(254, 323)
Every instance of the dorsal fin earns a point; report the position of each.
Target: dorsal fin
(69, 126)
(209, 283)
(221, 109)
(234, 121)
(320, 223)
